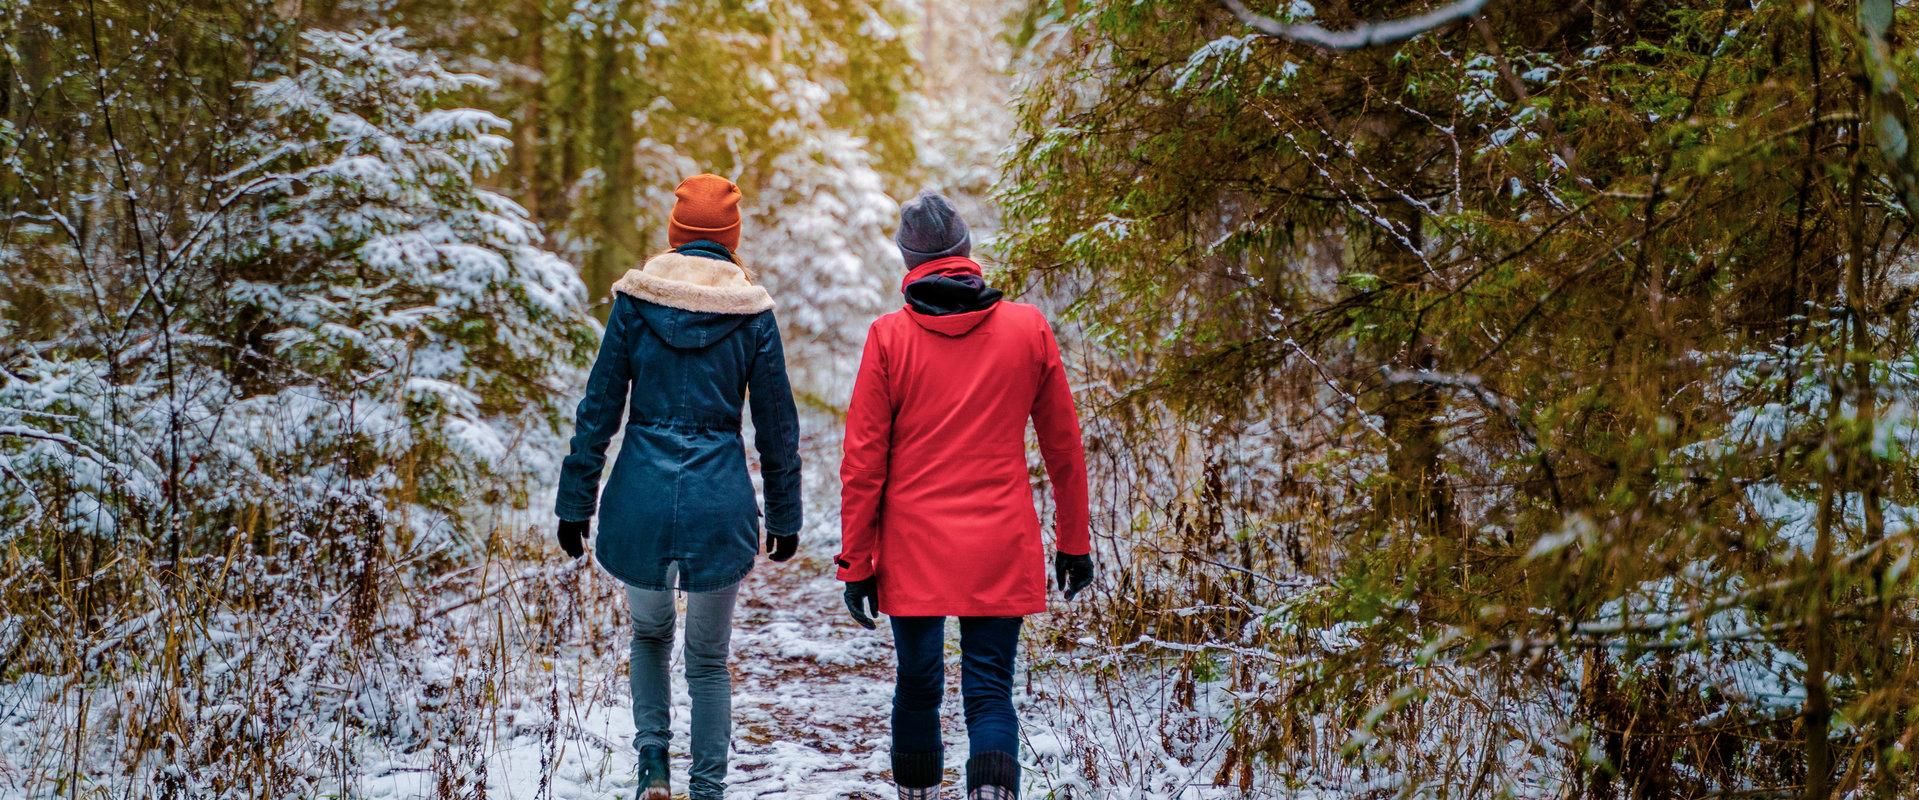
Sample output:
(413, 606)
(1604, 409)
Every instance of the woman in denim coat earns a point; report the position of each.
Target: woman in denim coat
(689, 343)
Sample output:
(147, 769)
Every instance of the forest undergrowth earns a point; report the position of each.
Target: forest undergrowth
(1524, 406)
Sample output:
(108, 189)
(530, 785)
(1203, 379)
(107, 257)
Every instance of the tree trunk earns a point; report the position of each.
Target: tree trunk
(526, 156)
(612, 143)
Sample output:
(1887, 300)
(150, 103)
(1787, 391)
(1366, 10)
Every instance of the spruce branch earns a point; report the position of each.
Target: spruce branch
(1367, 35)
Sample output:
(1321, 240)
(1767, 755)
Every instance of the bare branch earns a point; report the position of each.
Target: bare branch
(26, 486)
(1473, 385)
(530, 573)
(1372, 34)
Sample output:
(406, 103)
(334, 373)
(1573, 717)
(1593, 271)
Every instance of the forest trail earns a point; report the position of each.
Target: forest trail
(812, 690)
(811, 702)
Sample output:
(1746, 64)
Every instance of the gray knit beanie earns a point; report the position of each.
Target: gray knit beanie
(930, 229)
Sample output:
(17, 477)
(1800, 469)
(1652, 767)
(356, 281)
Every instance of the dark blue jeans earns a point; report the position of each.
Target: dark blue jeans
(988, 646)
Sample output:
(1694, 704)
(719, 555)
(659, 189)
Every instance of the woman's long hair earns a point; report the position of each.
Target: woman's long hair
(751, 276)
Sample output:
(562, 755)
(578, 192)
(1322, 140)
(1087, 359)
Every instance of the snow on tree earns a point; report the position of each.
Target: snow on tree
(411, 314)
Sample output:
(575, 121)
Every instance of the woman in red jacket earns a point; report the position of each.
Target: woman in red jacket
(937, 514)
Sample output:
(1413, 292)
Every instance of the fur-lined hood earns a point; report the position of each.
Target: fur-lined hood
(693, 283)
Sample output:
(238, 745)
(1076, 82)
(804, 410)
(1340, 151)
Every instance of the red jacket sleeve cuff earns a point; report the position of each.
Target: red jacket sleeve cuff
(850, 571)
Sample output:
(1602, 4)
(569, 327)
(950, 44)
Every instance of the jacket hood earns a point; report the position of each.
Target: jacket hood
(690, 301)
(950, 293)
(948, 296)
(688, 330)
(693, 283)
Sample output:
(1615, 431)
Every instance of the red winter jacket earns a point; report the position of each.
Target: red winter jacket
(935, 496)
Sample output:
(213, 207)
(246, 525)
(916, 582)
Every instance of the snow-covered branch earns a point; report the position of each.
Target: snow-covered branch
(70, 443)
(1371, 34)
(26, 488)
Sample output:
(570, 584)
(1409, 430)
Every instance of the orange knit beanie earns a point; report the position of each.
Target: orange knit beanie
(708, 207)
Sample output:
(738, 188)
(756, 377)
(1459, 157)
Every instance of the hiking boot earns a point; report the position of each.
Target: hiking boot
(656, 782)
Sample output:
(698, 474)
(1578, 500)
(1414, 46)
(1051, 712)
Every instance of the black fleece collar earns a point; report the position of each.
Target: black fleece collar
(952, 293)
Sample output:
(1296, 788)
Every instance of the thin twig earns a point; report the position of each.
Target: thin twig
(1367, 35)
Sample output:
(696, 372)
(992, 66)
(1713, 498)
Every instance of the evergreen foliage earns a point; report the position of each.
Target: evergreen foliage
(298, 296)
(801, 102)
(287, 295)
(1541, 388)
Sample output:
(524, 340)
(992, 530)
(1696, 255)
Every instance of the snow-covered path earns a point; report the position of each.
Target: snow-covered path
(811, 696)
(811, 689)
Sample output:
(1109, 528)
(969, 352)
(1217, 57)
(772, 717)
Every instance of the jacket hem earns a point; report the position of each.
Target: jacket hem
(658, 586)
(981, 610)
(714, 586)
(627, 579)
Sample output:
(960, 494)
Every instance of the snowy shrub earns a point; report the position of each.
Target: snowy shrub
(66, 456)
(409, 315)
(308, 370)
(828, 257)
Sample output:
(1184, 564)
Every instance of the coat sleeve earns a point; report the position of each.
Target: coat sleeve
(776, 431)
(1057, 424)
(597, 418)
(869, 436)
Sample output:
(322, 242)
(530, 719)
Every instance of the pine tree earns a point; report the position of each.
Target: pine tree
(1565, 347)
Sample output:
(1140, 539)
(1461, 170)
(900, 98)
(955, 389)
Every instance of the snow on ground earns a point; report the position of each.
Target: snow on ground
(811, 702)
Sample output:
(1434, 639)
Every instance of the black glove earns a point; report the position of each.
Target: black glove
(863, 599)
(572, 532)
(780, 546)
(1072, 573)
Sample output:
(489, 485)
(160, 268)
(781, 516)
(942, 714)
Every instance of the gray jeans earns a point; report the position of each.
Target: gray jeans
(709, 630)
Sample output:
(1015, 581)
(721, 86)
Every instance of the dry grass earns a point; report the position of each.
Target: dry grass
(251, 674)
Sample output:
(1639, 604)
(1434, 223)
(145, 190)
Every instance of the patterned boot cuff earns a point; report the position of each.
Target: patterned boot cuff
(993, 776)
(916, 771)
